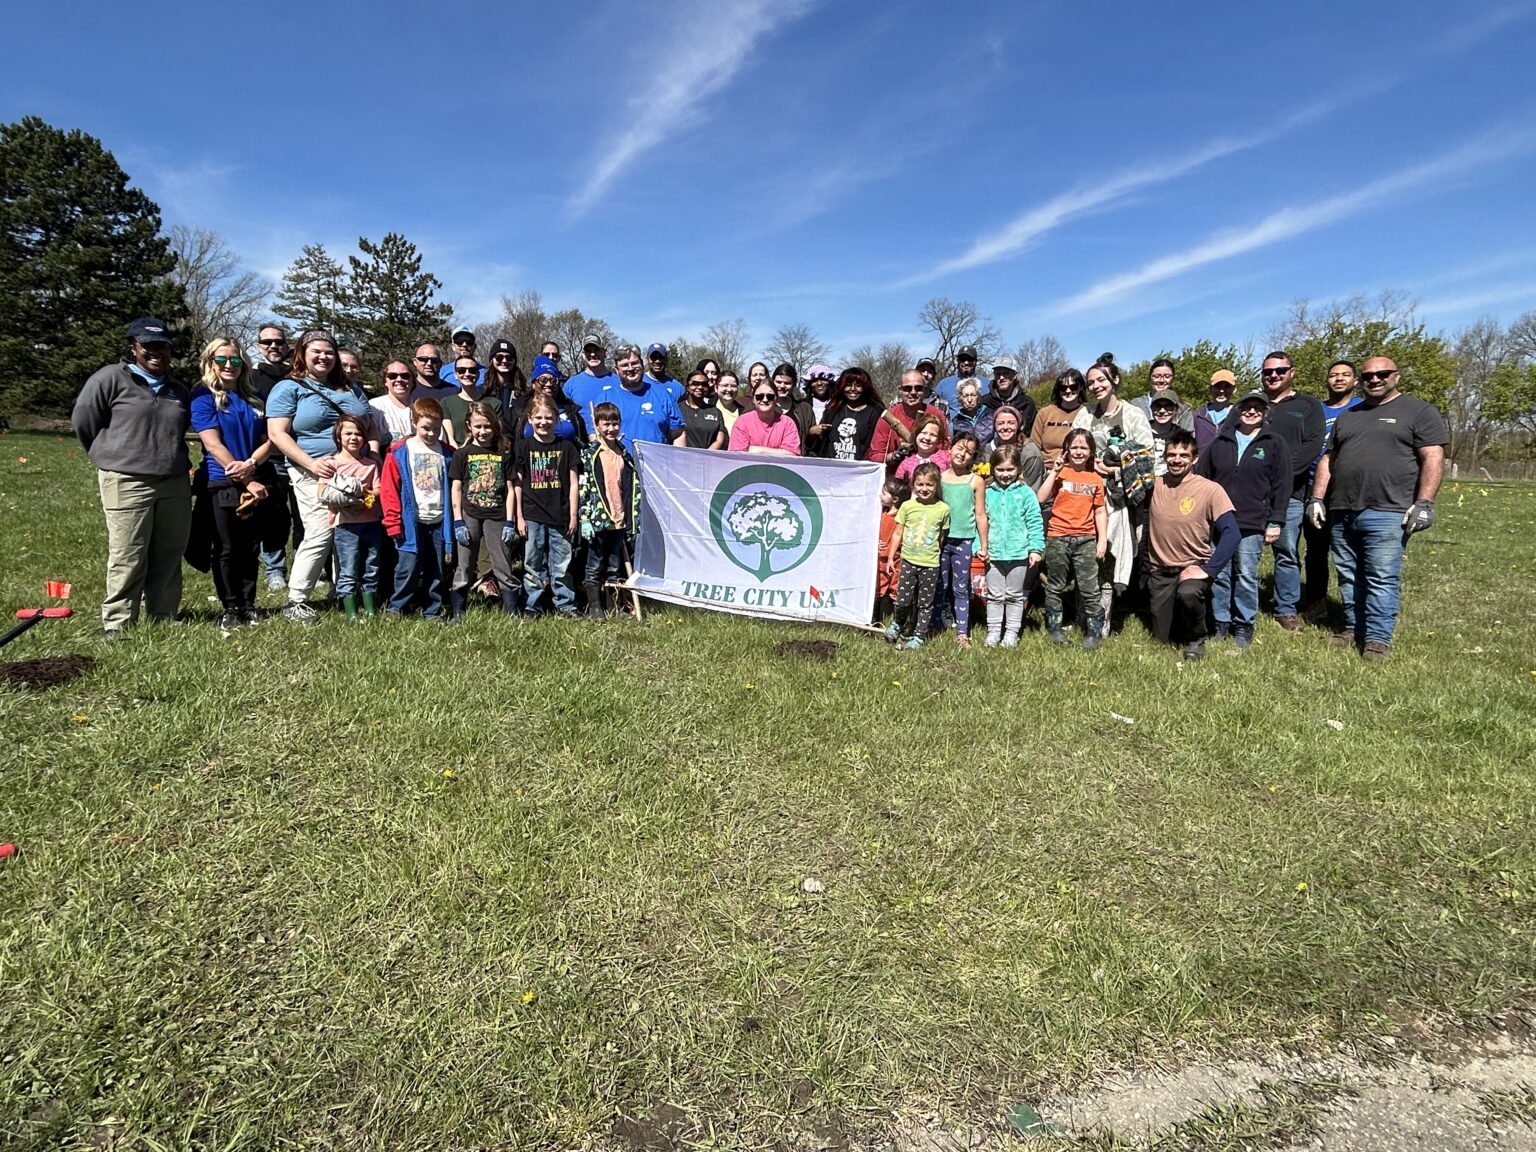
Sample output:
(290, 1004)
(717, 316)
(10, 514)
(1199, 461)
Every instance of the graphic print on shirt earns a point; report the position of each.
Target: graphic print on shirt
(845, 445)
(544, 468)
(1078, 489)
(484, 486)
(427, 476)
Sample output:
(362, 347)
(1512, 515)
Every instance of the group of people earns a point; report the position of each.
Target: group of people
(304, 477)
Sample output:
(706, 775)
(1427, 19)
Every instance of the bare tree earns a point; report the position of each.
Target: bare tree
(522, 321)
(569, 328)
(1522, 337)
(1391, 308)
(1479, 349)
(884, 364)
(222, 298)
(796, 344)
(727, 343)
(954, 324)
(1041, 358)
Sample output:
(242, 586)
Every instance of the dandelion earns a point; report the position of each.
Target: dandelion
(895, 683)
(1274, 788)
(1301, 887)
(750, 687)
(528, 997)
(81, 718)
(447, 773)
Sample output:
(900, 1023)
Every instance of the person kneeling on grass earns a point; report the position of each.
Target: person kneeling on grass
(1015, 546)
(921, 526)
(1191, 535)
(417, 502)
(544, 503)
(482, 510)
(610, 504)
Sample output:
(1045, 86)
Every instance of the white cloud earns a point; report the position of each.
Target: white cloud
(707, 43)
(1294, 221)
(1524, 296)
(1025, 229)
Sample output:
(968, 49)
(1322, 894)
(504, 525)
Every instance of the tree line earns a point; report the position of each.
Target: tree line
(82, 254)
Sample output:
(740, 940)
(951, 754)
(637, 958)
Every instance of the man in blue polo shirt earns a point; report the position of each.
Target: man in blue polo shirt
(647, 411)
(656, 373)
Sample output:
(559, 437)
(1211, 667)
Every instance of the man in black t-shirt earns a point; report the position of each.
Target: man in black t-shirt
(1380, 475)
(1297, 418)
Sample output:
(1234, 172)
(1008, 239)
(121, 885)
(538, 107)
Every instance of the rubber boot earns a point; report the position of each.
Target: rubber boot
(1053, 628)
(1093, 633)
(457, 600)
(594, 595)
(349, 605)
(370, 605)
(512, 600)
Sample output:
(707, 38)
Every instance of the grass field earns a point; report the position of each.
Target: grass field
(511, 885)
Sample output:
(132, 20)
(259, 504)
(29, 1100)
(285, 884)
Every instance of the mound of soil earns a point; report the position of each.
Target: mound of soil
(47, 672)
(810, 649)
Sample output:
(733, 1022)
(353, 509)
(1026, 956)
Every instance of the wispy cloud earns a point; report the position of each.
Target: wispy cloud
(708, 44)
(1523, 296)
(1485, 25)
(1294, 221)
(1028, 227)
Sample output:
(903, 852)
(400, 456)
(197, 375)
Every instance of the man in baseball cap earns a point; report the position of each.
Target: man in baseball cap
(463, 341)
(656, 372)
(1210, 415)
(1007, 388)
(965, 367)
(584, 387)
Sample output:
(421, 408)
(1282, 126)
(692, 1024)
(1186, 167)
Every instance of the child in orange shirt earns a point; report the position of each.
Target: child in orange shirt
(1076, 536)
(893, 495)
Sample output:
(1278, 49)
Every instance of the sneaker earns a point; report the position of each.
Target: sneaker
(992, 640)
(1375, 651)
(962, 640)
(276, 582)
(1219, 632)
(1194, 650)
(1012, 640)
(1342, 640)
(229, 622)
(1091, 641)
(251, 616)
(1289, 623)
(299, 612)
(893, 634)
(913, 643)
(1242, 637)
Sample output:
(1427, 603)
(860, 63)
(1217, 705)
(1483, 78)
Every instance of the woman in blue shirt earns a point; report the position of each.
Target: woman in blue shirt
(301, 411)
(235, 451)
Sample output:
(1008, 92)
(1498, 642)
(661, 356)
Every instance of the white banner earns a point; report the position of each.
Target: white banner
(761, 535)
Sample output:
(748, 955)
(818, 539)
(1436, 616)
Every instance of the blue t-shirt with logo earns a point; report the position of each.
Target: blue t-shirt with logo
(239, 427)
(648, 413)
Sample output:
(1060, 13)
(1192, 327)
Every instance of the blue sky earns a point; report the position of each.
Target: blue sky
(1124, 177)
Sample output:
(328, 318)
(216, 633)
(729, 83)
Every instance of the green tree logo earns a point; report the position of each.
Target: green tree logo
(766, 519)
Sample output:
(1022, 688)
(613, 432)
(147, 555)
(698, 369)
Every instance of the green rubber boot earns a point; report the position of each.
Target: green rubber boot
(370, 605)
(349, 605)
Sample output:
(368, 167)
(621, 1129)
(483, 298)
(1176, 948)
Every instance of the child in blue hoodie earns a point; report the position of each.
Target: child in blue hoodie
(418, 511)
(1015, 546)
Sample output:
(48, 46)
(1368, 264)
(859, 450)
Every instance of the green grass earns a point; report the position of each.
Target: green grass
(251, 910)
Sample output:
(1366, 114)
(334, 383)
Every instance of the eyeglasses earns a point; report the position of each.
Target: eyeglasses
(1373, 377)
(1268, 372)
(397, 375)
(429, 359)
(764, 397)
(278, 343)
(232, 361)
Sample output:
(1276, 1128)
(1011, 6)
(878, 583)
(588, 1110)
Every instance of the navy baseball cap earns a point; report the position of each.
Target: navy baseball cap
(656, 350)
(148, 330)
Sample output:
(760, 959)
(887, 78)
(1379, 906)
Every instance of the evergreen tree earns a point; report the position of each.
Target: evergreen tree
(387, 302)
(312, 290)
(81, 257)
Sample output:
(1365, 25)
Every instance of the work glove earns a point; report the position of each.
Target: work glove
(508, 532)
(1419, 517)
(461, 534)
(1317, 513)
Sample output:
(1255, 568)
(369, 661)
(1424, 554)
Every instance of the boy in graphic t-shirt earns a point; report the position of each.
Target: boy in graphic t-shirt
(415, 494)
(545, 504)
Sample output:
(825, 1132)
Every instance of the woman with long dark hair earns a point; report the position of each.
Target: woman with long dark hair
(852, 415)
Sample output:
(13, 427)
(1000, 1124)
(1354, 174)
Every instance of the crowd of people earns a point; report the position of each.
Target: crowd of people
(1092, 504)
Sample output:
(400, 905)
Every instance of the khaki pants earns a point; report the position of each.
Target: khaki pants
(148, 519)
(314, 551)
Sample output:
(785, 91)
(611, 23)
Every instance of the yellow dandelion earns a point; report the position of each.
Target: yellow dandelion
(528, 997)
(895, 683)
(750, 687)
(447, 773)
(1301, 887)
(81, 717)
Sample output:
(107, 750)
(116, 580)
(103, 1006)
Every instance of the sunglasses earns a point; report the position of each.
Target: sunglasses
(1065, 388)
(397, 375)
(1268, 372)
(502, 356)
(1373, 377)
(913, 391)
(429, 359)
(764, 397)
(221, 361)
(467, 371)
(272, 343)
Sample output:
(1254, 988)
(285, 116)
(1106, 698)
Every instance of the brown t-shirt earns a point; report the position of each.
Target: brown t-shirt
(1181, 518)
(1050, 430)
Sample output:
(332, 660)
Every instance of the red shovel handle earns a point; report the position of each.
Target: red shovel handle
(45, 613)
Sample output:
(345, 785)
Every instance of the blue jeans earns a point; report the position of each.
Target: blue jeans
(1288, 561)
(547, 561)
(272, 563)
(1368, 553)
(357, 557)
(605, 556)
(1235, 590)
(422, 568)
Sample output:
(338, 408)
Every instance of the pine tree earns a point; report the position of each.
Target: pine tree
(81, 256)
(388, 301)
(312, 291)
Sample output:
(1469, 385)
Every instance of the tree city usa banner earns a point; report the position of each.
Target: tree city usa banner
(775, 536)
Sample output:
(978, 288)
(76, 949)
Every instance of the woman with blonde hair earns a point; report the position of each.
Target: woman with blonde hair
(226, 418)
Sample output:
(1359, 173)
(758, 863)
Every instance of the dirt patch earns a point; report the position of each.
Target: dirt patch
(810, 649)
(46, 672)
(665, 1128)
